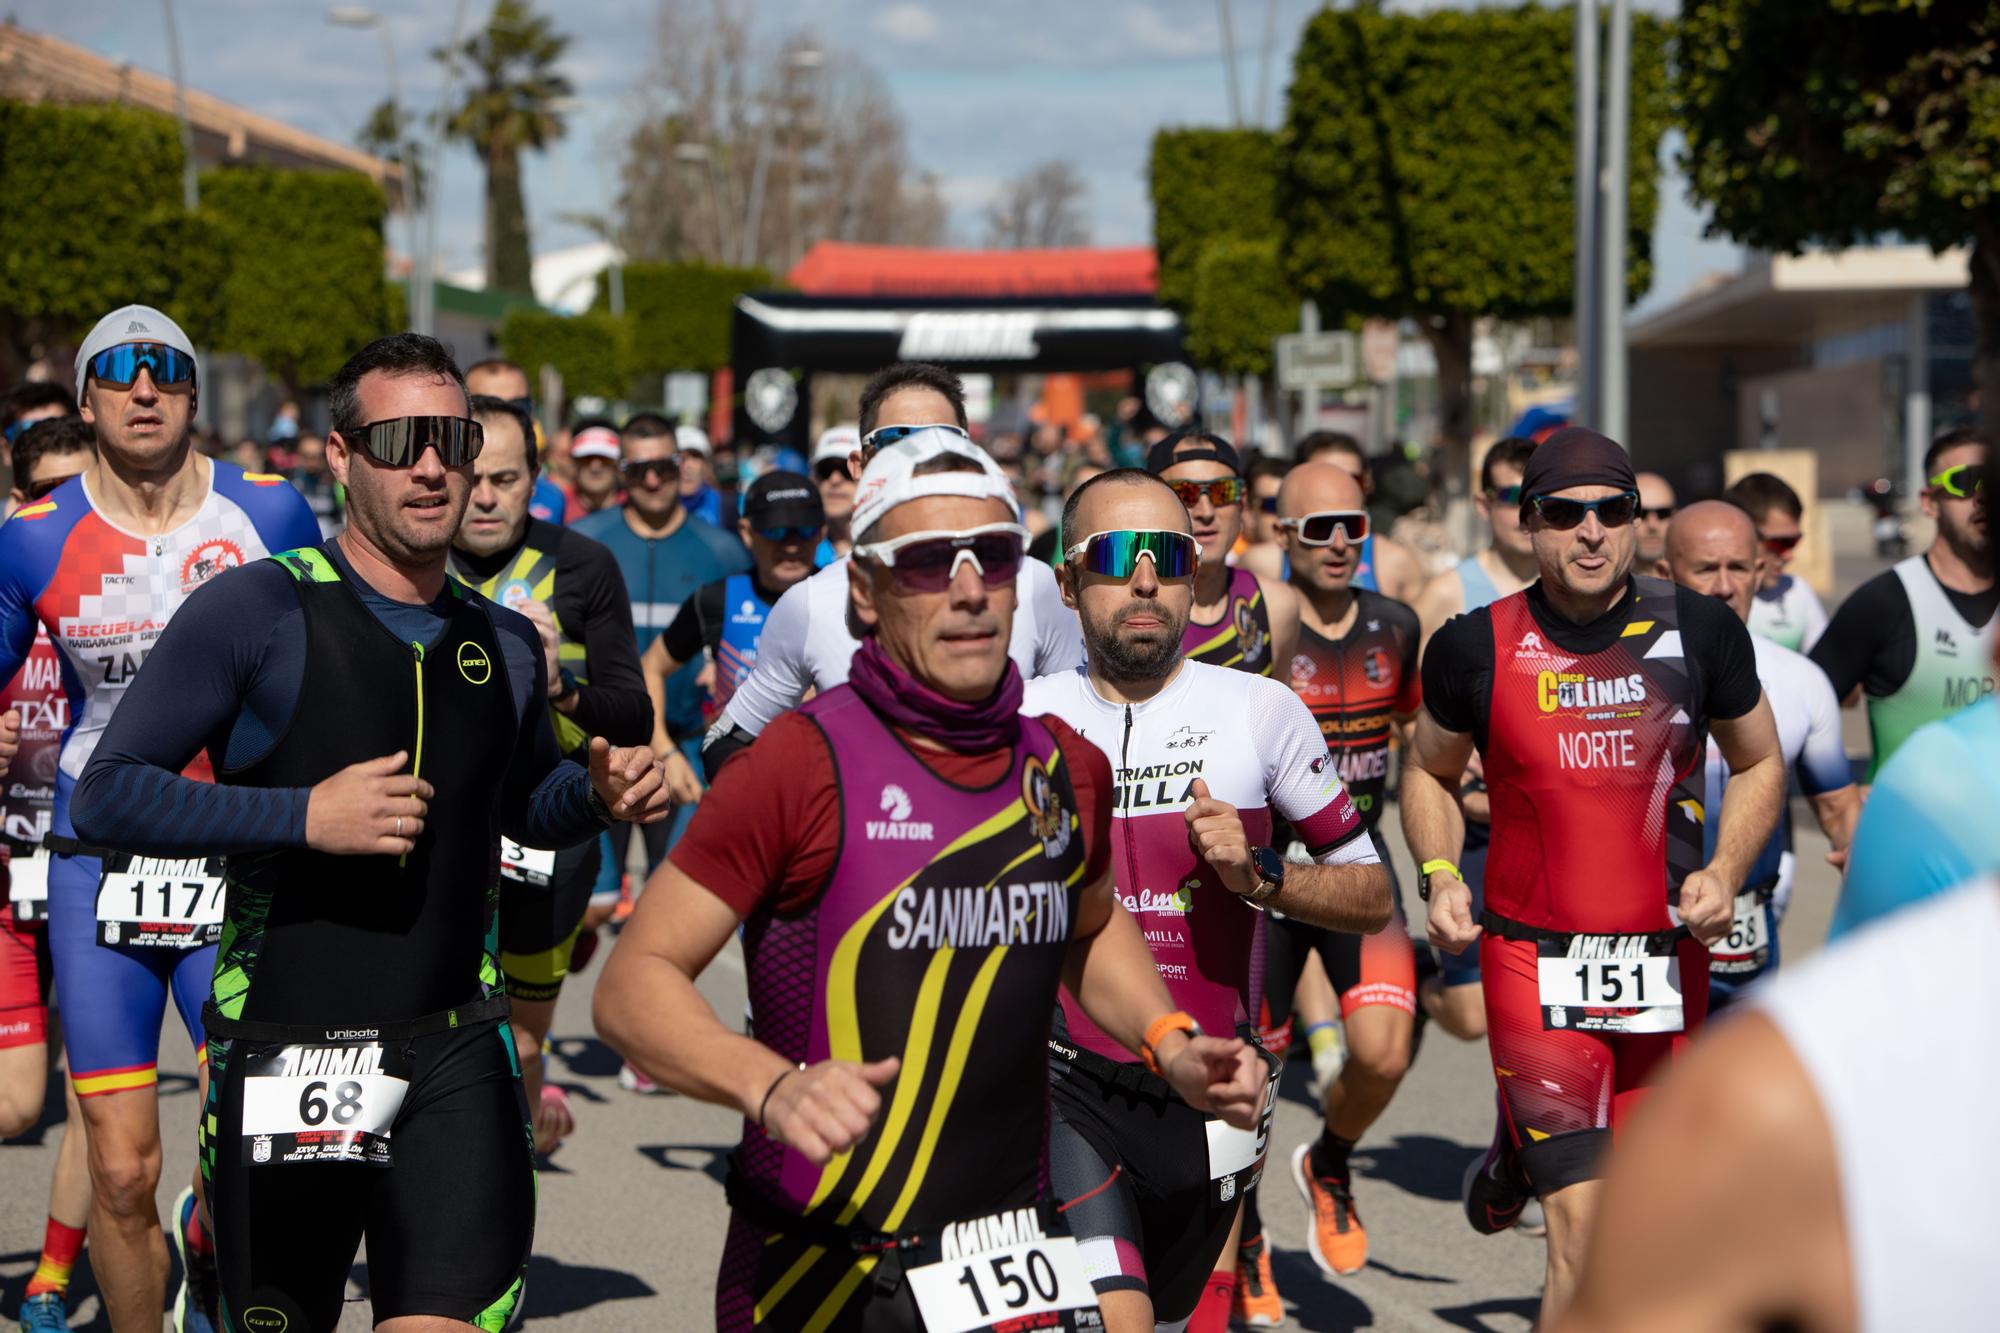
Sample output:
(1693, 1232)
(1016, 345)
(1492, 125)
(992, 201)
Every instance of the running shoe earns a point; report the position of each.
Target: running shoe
(1327, 1062)
(45, 1313)
(196, 1304)
(625, 904)
(1337, 1241)
(1256, 1301)
(1532, 1222)
(554, 1120)
(632, 1080)
(1494, 1189)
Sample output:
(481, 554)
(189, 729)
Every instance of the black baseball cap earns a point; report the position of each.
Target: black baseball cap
(1190, 445)
(783, 500)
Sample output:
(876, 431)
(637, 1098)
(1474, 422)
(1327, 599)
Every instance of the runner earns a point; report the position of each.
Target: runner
(1260, 515)
(1656, 510)
(1929, 823)
(836, 490)
(809, 638)
(892, 1173)
(595, 451)
(1712, 548)
(1453, 998)
(1916, 638)
(357, 1020)
(1386, 564)
(1756, 1191)
(25, 404)
(103, 563)
(1786, 610)
(1356, 670)
(667, 554)
(782, 523)
(497, 377)
(1238, 619)
(570, 589)
(1588, 695)
(1205, 758)
(698, 493)
(48, 453)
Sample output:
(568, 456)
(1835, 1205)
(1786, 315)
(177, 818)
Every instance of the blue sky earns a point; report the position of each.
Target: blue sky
(986, 90)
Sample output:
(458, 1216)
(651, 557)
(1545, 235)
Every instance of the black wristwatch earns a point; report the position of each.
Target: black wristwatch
(1270, 874)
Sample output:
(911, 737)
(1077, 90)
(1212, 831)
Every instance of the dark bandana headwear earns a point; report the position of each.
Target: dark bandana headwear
(1213, 449)
(1576, 456)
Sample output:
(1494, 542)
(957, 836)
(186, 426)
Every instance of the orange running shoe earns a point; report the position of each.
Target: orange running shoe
(1256, 1303)
(1338, 1242)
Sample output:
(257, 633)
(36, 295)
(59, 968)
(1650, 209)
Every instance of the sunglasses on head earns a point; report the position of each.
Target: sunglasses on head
(1318, 529)
(883, 436)
(636, 469)
(1613, 511)
(925, 562)
(1781, 543)
(1506, 495)
(118, 367)
(1220, 492)
(1116, 554)
(401, 441)
(794, 534)
(1961, 482)
(1659, 513)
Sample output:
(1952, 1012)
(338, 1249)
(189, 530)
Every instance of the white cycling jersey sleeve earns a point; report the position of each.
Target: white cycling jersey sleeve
(1301, 776)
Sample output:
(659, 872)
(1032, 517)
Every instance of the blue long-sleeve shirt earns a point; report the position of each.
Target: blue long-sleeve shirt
(225, 676)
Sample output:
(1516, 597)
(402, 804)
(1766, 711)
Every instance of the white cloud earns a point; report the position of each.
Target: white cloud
(909, 23)
(1153, 35)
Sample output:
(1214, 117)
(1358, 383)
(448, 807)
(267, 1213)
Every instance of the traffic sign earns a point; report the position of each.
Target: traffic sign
(1316, 360)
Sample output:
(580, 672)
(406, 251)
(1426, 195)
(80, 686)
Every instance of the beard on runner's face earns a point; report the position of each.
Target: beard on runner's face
(1146, 651)
(410, 514)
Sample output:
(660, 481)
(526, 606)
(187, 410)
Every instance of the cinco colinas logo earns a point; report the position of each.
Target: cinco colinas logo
(474, 664)
(1557, 690)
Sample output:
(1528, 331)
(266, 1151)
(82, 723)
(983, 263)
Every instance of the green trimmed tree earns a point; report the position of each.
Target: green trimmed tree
(92, 221)
(1837, 121)
(1424, 172)
(590, 351)
(1207, 185)
(680, 313)
(303, 284)
(1242, 305)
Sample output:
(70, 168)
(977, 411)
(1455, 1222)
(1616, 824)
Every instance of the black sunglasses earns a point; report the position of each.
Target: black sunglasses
(1613, 511)
(1659, 513)
(401, 441)
(36, 490)
(829, 467)
(801, 533)
(666, 469)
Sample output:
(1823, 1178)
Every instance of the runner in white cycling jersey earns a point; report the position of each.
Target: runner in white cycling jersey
(809, 638)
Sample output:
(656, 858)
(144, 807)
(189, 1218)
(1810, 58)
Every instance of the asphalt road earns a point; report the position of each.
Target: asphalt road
(631, 1210)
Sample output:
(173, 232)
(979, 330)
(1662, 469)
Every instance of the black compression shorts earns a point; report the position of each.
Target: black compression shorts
(448, 1226)
(539, 923)
(1131, 1163)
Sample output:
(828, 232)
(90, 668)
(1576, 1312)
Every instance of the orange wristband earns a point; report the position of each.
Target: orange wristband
(1177, 1021)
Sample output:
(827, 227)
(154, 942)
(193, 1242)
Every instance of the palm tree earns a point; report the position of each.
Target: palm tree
(512, 102)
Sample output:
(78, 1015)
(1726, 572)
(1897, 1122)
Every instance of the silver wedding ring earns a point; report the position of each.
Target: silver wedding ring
(399, 826)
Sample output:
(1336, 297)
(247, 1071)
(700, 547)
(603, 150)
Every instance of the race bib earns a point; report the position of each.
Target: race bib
(148, 902)
(28, 884)
(331, 1103)
(1746, 949)
(1003, 1270)
(1610, 983)
(1236, 1156)
(526, 865)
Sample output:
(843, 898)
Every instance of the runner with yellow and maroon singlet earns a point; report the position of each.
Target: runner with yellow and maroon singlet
(1356, 670)
(1240, 619)
(924, 864)
(1589, 695)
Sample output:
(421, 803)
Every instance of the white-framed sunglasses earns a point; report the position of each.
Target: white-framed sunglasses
(1318, 529)
(883, 436)
(929, 561)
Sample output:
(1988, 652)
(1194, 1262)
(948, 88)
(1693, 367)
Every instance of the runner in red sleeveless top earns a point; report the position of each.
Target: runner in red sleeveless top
(1589, 696)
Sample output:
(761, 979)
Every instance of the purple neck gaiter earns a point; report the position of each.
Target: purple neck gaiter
(907, 703)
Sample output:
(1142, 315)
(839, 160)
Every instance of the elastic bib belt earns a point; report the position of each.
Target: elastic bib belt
(1765, 889)
(64, 846)
(744, 1198)
(1658, 941)
(1131, 1077)
(492, 1008)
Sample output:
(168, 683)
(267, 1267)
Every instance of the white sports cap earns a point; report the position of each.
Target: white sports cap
(595, 442)
(132, 324)
(836, 442)
(891, 478)
(693, 440)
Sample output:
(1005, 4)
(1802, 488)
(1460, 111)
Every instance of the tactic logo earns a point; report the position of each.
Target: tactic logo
(898, 827)
(207, 560)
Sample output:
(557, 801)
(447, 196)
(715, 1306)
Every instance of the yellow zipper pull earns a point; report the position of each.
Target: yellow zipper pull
(417, 762)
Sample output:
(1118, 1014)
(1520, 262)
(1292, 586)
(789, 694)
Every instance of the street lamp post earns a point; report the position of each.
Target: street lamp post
(190, 181)
(804, 60)
(355, 16)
